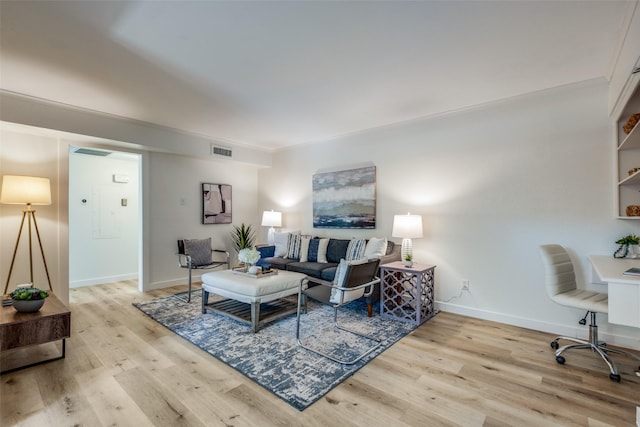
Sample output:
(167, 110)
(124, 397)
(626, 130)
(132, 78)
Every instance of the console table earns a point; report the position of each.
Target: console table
(407, 293)
(51, 323)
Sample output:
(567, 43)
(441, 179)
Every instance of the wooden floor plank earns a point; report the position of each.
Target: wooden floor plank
(124, 369)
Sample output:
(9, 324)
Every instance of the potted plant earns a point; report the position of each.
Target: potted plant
(408, 260)
(28, 300)
(243, 237)
(627, 242)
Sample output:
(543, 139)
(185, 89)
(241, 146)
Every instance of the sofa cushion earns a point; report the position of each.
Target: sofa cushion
(337, 249)
(355, 249)
(265, 252)
(278, 262)
(318, 250)
(304, 248)
(390, 246)
(376, 248)
(281, 241)
(293, 248)
(313, 269)
(328, 274)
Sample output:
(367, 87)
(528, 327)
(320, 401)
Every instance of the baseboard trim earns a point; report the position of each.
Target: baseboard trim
(626, 341)
(101, 280)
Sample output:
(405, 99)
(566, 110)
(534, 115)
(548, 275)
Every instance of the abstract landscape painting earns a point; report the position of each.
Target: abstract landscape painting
(345, 199)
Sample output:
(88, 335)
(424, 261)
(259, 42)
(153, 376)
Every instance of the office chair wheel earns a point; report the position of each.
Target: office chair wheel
(554, 345)
(614, 377)
(560, 360)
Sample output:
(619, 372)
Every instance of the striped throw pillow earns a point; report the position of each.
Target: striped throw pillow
(355, 250)
(294, 246)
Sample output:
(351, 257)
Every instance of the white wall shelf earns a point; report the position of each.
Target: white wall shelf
(628, 152)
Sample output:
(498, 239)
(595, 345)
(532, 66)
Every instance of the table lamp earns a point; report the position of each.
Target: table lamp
(26, 190)
(407, 227)
(271, 219)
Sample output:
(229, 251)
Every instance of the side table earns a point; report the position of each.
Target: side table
(407, 293)
(51, 323)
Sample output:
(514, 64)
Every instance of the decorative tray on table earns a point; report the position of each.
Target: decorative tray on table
(243, 271)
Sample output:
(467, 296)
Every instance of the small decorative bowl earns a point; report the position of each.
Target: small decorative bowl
(28, 306)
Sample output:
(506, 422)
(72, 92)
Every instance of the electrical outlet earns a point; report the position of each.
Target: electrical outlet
(465, 285)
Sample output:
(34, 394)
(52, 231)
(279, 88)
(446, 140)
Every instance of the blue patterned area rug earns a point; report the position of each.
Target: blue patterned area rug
(271, 357)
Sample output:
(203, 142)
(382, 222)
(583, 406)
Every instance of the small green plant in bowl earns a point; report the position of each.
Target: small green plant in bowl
(408, 260)
(28, 300)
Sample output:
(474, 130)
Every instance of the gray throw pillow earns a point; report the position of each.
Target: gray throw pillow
(199, 250)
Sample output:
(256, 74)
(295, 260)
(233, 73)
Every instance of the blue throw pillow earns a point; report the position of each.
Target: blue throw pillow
(312, 255)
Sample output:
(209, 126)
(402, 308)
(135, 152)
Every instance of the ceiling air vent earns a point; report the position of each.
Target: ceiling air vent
(216, 150)
(90, 151)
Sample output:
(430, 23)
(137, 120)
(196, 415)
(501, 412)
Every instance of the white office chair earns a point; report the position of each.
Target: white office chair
(561, 288)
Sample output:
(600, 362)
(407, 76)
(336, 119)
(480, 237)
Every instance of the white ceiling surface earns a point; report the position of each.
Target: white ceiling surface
(272, 74)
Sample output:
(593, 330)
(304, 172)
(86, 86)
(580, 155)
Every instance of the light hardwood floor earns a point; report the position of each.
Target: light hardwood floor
(124, 369)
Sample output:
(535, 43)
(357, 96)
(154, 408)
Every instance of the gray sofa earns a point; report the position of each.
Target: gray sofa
(336, 250)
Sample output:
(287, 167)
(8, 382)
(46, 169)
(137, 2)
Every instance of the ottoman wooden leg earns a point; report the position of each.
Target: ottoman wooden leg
(205, 299)
(255, 315)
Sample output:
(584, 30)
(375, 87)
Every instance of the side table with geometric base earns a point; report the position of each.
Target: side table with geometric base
(17, 330)
(407, 293)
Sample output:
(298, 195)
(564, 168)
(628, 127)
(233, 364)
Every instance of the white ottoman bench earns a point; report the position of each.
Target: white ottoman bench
(246, 294)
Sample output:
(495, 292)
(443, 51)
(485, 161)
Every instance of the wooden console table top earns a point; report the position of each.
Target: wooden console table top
(51, 323)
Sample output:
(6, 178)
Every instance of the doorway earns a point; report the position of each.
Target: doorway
(105, 216)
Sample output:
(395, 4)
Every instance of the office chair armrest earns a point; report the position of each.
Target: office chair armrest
(353, 288)
(227, 257)
(364, 285)
(184, 261)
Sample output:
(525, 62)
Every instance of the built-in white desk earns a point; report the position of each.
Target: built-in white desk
(624, 291)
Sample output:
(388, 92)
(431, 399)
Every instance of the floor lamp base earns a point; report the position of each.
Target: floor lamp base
(29, 214)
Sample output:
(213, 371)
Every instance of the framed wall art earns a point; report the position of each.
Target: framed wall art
(216, 203)
(345, 198)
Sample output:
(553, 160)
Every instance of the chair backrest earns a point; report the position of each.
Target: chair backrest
(358, 274)
(559, 274)
(198, 249)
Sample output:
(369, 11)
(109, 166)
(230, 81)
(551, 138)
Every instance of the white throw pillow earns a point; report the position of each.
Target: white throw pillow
(322, 250)
(338, 280)
(304, 248)
(376, 248)
(282, 243)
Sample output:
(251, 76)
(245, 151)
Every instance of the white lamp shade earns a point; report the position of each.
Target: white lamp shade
(272, 219)
(22, 190)
(407, 226)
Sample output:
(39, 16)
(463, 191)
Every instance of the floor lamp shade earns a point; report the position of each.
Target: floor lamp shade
(407, 227)
(25, 190)
(271, 219)
(28, 191)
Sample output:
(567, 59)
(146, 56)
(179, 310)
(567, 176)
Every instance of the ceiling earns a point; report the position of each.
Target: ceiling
(272, 74)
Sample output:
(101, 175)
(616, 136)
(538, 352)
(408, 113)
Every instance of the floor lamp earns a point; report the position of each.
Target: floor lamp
(26, 190)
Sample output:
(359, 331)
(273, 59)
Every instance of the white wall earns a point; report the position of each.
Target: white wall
(103, 234)
(35, 153)
(492, 184)
(175, 208)
(167, 180)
